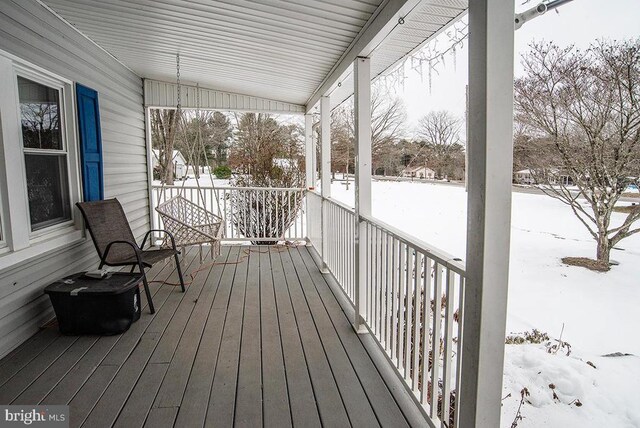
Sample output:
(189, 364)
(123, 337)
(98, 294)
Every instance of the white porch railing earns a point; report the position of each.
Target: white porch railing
(413, 301)
(250, 213)
(340, 245)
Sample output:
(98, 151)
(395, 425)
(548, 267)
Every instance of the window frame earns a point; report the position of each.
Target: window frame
(63, 89)
(18, 239)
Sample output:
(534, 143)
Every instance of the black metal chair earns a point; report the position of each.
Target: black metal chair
(116, 245)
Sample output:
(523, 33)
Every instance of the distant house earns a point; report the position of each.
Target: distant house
(523, 177)
(555, 176)
(419, 172)
(179, 163)
(285, 163)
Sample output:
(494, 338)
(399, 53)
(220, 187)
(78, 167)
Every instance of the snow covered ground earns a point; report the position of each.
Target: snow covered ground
(599, 311)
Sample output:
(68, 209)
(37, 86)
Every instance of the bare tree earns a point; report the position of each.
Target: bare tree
(582, 110)
(270, 154)
(342, 141)
(164, 127)
(439, 131)
(388, 117)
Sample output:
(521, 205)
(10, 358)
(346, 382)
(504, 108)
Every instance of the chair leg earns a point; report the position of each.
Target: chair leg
(152, 309)
(179, 272)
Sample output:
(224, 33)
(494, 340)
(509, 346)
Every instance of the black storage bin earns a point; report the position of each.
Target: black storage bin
(96, 306)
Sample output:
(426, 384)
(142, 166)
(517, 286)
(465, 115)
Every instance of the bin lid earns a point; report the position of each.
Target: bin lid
(116, 283)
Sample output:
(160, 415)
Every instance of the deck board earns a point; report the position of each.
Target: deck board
(223, 391)
(258, 339)
(193, 410)
(353, 396)
(277, 412)
(387, 411)
(175, 381)
(330, 405)
(248, 408)
(304, 411)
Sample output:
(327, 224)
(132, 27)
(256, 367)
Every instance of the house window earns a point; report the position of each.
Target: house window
(39, 162)
(45, 155)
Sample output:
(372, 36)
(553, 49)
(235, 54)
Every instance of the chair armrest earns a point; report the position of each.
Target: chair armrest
(136, 249)
(146, 236)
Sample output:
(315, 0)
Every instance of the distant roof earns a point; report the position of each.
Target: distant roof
(417, 168)
(176, 154)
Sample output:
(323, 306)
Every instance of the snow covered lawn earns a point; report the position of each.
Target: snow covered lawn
(600, 311)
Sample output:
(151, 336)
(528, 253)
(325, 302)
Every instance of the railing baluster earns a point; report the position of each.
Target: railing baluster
(295, 222)
(382, 285)
(389, 291)
(426, 334)
(394, 299)
(435, 344)
(401, 304)
(288, 205)
(448, 342)
(377, 284)
(461, 289)
(408, 312)
(416, 319)
(278, 216)
(368, 276)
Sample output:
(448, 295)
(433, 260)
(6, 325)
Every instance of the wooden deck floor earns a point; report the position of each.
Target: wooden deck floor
(258, 339)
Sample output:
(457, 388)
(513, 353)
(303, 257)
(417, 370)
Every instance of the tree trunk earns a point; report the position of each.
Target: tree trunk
(168, 173)
(604, 247)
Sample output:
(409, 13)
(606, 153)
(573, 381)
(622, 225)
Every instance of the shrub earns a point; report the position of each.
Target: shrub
(222, 171)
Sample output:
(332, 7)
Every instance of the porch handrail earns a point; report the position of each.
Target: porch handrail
(190, 187)
(442, 257)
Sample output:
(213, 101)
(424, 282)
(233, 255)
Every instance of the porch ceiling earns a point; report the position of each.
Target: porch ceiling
(281, 50)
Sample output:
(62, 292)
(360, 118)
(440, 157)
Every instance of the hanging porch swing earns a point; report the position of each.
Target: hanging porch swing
(189, 221)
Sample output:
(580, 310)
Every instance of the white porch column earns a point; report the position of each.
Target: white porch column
(325, 168)
(325, 146)
(310, 167)
(490, 146)
(362, 88)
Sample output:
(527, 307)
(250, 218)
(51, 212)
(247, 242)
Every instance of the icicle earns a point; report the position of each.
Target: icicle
(453, 52)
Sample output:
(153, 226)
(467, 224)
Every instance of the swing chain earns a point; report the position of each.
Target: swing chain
(179, 106)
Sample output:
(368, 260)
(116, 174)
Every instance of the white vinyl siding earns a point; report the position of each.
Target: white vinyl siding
(30, 32)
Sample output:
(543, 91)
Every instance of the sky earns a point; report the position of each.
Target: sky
(579, 22)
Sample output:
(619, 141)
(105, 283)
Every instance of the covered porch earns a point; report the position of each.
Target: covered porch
(361, 325)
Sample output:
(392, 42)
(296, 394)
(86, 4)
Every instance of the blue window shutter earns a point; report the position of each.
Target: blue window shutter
(90, 143)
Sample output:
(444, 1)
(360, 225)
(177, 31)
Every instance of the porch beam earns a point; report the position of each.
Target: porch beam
(379, 26)
(490, 146)
(362, 112)
(158, 94)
